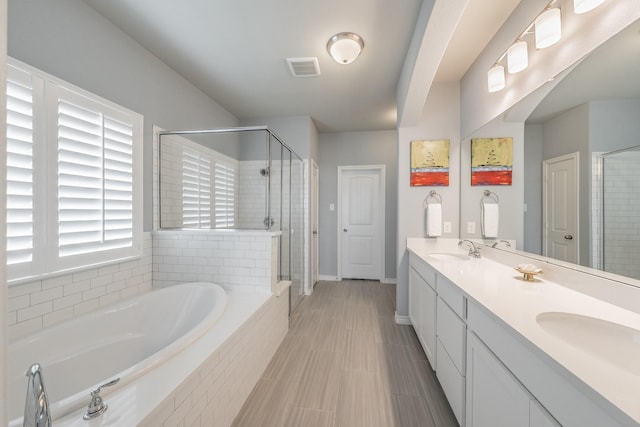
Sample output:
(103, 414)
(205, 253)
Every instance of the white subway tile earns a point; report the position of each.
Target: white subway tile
(35, 311)
(50, 294)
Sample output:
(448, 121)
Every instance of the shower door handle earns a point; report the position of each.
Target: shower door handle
(568, 237)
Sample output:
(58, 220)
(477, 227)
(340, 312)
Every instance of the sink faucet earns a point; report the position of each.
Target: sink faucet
(473, 249)
(506, 243)
(36, 407)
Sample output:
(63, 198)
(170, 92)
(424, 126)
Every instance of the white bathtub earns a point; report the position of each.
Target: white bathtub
(125, 340)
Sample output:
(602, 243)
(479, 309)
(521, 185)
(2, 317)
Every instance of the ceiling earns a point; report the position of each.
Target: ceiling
(235, 51)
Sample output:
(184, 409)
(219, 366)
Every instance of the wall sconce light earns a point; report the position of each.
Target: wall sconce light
(548, 28)
(517, 57)
(495, 78)
(344, 48)
(584, 6)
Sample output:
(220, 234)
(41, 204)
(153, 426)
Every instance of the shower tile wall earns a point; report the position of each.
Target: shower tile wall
(251, 195)
(622, 214)
(41, 303)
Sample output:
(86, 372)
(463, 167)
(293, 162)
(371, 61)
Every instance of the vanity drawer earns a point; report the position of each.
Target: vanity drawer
(452, 295)
(423, 269)
(453, 384)
(451, 332)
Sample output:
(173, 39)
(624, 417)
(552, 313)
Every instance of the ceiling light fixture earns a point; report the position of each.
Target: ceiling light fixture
(548, 28)
(584, 6)
(344, 48)
(517, 57)
(495, 78)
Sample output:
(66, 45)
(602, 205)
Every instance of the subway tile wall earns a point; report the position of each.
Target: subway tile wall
(41, 303)
(234, 258)
(214, 394)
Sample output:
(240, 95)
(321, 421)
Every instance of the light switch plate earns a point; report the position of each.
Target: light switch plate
(332, 207)
(447, 226)
(471, 227)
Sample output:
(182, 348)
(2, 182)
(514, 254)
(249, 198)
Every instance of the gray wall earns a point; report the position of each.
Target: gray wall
(297, 132)
(614, 125)
(70, 40)
(353, 149)
(533, 188)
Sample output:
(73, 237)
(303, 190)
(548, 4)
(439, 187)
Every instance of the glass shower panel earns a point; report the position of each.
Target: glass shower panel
(253, 180)
(297, 231)
(621, 212)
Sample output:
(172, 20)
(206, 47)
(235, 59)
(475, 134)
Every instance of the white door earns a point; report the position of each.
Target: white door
(560, 208)
(361, 225)
(314, 222)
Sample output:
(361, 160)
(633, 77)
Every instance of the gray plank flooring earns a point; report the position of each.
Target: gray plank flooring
(345, 362)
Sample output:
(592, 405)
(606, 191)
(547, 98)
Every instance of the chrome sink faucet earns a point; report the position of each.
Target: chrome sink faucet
(473, 249)
(36, 407)
(496, 243)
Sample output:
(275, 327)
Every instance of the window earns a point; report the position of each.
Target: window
(196, 188)
(73, 176)
(225, 196)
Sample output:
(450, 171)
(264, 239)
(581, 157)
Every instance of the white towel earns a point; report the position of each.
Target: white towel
(433, 219)
(490, 217)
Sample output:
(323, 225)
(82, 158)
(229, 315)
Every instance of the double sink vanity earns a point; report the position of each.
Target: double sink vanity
(563, 349)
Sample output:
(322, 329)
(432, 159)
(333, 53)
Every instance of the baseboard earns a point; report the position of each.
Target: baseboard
(402, 320)
(328, 278)
(389, 281)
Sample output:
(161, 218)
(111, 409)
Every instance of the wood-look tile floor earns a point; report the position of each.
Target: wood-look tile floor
(345, 362)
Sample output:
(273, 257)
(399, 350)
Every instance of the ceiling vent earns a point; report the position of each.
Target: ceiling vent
(304, 67)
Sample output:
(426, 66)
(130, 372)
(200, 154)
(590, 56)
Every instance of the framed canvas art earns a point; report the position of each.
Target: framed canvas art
(491, 161)
(430, 163)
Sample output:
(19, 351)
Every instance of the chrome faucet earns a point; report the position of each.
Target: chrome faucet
(36, 407)
(97, 406)
(473, 249)
(496, 243)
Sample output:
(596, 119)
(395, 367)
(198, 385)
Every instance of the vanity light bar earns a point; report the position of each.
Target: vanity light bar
(548, 31)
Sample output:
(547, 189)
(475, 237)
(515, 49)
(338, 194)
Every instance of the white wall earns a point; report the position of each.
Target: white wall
(354, 149)
(70, 40)
(440, 120)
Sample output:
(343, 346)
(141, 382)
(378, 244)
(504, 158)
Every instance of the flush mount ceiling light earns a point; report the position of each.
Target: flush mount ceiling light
(548, 28)
(584, 6)
(344, 48)
(517, 57)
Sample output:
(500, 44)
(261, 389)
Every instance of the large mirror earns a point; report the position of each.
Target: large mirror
(590, 122)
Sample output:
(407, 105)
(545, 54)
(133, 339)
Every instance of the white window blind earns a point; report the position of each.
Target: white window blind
(196, 188)
(74, 187)
(95, 159)
(19, 173)
(225, 194)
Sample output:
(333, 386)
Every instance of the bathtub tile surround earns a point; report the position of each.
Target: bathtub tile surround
(42, 303)
(231, 258)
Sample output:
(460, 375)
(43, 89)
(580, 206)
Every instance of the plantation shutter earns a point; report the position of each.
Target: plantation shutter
(95, 180)
(196, 189)
(225, 182)
(20, 132)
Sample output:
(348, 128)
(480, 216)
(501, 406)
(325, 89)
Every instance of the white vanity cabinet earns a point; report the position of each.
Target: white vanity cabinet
(422, 305)
(494, 396)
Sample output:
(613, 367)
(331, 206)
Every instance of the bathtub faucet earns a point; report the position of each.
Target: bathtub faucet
(97, 406)
(36, 407)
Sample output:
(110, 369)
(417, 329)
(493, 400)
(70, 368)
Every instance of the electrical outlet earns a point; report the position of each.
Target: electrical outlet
(471, 227)
(332, 207)
(447, 226)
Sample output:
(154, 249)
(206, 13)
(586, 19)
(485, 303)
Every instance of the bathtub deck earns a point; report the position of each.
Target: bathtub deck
(345, 362)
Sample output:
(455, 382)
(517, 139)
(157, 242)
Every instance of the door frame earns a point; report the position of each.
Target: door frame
(381, 169)
(314, 253)
(546, 209)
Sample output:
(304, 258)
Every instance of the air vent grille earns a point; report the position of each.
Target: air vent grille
(304, 67)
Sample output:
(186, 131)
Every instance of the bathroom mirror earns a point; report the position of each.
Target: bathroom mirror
(594, 110)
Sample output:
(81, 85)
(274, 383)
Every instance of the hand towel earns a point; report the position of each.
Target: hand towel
(433, 220)
(490, 220)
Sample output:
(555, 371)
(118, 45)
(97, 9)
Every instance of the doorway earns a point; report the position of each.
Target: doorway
(361, 202)
(560, 221)
(313, 214)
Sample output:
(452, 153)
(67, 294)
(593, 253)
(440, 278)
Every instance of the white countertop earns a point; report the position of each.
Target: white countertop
(500, 289)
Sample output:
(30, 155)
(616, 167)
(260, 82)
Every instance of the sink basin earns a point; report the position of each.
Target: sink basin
(611, 342)
(448, 256)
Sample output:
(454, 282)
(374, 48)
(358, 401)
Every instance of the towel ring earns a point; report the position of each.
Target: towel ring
(493, 197)
(432, 194)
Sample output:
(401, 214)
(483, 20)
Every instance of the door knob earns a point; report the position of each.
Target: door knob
(568, 237)
(315, 231)
(344, 229)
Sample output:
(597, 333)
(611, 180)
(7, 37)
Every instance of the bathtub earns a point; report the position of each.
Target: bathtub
(125, 340)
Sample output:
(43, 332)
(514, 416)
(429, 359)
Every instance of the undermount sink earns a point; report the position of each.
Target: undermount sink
(448, 256)
(611, 342)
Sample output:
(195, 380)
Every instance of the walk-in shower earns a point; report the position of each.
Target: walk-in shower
(238, 179)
